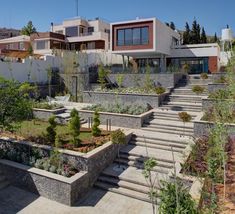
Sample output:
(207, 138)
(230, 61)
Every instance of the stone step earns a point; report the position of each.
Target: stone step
(138, 165)
(181, 108)
(172, 125)
(184, 104)
(123, 191)
(157, 146)
(151, 128)
(178, 145)
(167, 114)
(159, 140)
(141, 159)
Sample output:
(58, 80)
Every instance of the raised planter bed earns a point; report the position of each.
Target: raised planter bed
(201, 128)
(119, 120)
(45, 114)
(110, 97)
(55, 187)
(208, 103)
(213, 87)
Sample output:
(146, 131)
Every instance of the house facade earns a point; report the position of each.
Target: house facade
(151, 42)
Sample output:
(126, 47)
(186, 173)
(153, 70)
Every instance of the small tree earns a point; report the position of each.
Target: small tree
(119, 138)
(185, 117)
(51, 130)
(149, 165)
(28, 29)
(102, 74)
(74, 127)
(96, 122)
(197, 89)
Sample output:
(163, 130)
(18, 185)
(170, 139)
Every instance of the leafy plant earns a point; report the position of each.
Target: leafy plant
(148, 82)
(198, 89)
(74, 126)
(102, 74)
(204, 76)
(120, 79)
(160, 90)
(118, 138)
(96, 122)
(51, 130)
(222, 79)
(167, 195)
(185, 117)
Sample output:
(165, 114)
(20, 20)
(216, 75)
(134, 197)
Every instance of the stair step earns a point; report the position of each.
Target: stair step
(187, 126)
(156, 146)
(123, 191)
(149, 128)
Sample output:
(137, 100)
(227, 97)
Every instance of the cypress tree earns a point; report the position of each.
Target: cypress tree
(198, 38)
(194, 33)
(215, 39)
(172, 25)
(203, 36)
(186, 34)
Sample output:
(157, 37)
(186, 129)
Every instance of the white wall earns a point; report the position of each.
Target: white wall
(36, 68)
(224, 57)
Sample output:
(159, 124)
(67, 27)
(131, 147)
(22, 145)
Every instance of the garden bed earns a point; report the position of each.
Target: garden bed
(118, 120)
(213, 87)
(201, 127)
(208, 103)
(45, 114)
(151, 100)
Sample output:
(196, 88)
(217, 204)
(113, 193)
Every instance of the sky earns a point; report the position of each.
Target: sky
(213, 15)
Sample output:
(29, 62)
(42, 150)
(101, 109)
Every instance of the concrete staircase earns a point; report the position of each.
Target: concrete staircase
(3, 181)
(64, 118)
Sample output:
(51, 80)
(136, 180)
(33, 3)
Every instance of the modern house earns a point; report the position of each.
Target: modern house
(82, 34)
(149, 41)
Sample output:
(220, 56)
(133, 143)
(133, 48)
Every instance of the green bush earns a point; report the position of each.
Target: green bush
(102, 74)
(96, 132)
(198, 89)
(46, 105)
(74, 127)
(221, 94)
(168, 197)
(185, 117)
(160, 90)
(222, 79)
(118, 137)
(51, 130)
(204, 76)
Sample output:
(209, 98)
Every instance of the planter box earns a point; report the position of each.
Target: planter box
(52, 186)
(202, 127)
(129, 99)
(213, 87)
(119, 120)
(209, 103)
(56, 187)
(166, 80)
(45, 114)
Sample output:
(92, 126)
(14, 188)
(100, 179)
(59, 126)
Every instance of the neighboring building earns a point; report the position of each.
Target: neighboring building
(148, 41)
(18, 43)
(7, 33)
(84, 34)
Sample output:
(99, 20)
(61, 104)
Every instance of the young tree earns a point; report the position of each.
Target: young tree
(96, 132)
(195, 33)
(102, 73)
(203, 36)
(186, 34)
(185, 117)
(14, 106)
(215, 38)
(28, 29)
(51, 130)
(74, 127)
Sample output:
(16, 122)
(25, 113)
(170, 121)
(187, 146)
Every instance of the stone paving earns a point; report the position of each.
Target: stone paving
(14, 200)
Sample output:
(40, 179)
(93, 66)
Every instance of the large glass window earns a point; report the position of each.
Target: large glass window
(40, 45)
(133, 36)
(120, 37)
(71, 31)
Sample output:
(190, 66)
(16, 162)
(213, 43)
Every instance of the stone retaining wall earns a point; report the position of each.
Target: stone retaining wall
(128, 99)
(45, 114)
(119, 120)
(209, 103)
(52, 186)
(213, 87)
(167, 80)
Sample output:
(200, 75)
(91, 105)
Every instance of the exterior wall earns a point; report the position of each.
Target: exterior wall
(213, 64)
(115, 28)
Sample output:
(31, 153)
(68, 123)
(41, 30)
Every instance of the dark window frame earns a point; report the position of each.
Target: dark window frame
(124, 43)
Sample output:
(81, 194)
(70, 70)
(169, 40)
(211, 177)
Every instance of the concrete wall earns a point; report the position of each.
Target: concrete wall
(167, 80)
(213, 87)
(119, 120)
(153, 101)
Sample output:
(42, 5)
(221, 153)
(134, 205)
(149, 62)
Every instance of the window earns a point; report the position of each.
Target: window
(71, 31)
(59, 31)
(21, 46)
(133, 36)
(91, 45)
(90, 30)
(120, 37)
(40, 45)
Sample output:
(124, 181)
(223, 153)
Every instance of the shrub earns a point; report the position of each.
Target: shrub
(172, 203)
(102, 73)
(48, 106)
(204, 76)
(51, 130)
(58, 141)
(74, 127)
(221, 94)
(160, 90)
(95, 127)
(222, 79)
(185, 117)
(120, 79)
(198, 89)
